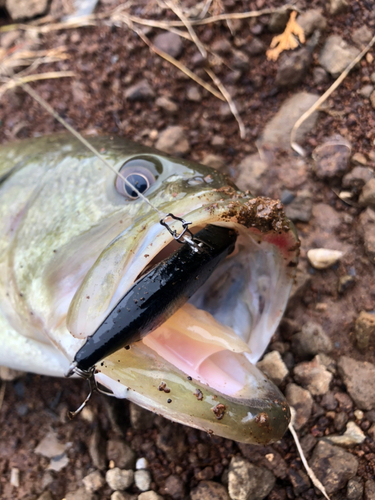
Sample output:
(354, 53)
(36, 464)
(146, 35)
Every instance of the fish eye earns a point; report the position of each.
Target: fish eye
(138, 175)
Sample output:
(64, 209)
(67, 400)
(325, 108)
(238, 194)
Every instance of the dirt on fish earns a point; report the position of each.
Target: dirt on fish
(107, 61)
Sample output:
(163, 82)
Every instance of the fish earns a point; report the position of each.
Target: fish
(74, 239)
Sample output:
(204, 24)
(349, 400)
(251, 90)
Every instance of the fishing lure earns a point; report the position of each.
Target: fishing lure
(156, 296)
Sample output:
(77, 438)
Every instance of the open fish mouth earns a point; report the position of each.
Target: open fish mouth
(198, 367)
(67, 257)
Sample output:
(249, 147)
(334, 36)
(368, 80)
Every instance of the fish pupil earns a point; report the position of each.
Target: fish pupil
(139, 181)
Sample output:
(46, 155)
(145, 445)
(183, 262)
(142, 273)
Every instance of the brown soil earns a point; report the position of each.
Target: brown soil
(106, 60)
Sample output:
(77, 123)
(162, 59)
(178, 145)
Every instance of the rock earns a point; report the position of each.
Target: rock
(174, 486)
(278, 21)
(46, 495)
(141, 463)
(332, 157)
(372, 99)
(333, 466)
(50, 446)
(240, 61)
(149, 495)
(344, 400)
(173, 140)
(357, 177)
(118, 479)
(120, 495)
(322, 258)
(193, 94)
(8, 374)
(274, 367)
(171, 440)
(328, 362)
(141, 91)
(329, 401)
(312, 20)
(336, 54)
(255, 47)
(338, 6)
(246, 481)
(354, 490)
(214, 161)
(370, 489)
(353, 435)
(140, 418)
(300, 209)
(26, 9)
(365, 329)
(311, 341)
(209, 490)
(217, 141)
(367, 225)
(326, 217)
(302, 401)
(58, 463)
(121, 454)
(359, 158)
(300, 481)
(93, 481)
(367, 198)
(278, 129)
(80, 494)
(251, 171)
(167, 105)
(142, 479)
(170, 43)
(15, 477)
(313, 376)
(222, 46)
(358, 377)
(362, 36)
(97, 449)
(320, 75)
(293, 67)
(366, 91)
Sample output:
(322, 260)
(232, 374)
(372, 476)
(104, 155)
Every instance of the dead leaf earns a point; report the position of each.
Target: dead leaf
(287, 40)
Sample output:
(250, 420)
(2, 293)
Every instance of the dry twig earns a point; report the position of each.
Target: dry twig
(176, 9)
(12, 82)
(230, 102)
(324, 97)
(287, 40)
(309, 471)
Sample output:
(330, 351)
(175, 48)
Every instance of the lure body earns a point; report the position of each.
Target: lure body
(157, 295)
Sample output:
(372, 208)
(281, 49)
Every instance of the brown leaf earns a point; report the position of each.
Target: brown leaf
(287, 40)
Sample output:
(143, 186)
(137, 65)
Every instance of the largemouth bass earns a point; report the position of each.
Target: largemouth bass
(73, 241)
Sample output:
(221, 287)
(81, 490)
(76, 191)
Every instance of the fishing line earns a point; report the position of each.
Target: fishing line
(184, 236)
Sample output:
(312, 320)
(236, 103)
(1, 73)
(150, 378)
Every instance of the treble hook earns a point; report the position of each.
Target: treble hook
(88, 375)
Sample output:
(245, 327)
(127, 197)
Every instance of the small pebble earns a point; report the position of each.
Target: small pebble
(141, 463)
(322, 258)
(353, 435)
(94, 481)
(274, 367)
(149, 495)
(142, 479)
(118, 479)
(15, 477)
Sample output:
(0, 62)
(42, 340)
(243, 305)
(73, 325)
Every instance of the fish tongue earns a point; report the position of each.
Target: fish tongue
(194, 342)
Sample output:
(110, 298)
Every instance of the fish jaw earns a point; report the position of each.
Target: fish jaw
(266, 252)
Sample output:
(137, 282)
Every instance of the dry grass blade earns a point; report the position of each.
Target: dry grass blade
(324, 97)
(309, 471)
(178, 64)
(176, 9)
(230, 102)
(12, 82)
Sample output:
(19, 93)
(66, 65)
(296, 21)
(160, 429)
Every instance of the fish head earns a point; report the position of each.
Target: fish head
(81, 239)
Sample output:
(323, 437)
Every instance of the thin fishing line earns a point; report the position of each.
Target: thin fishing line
(76, 134)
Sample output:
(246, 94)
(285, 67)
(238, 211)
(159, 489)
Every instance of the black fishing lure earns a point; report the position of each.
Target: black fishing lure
(157, 295)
